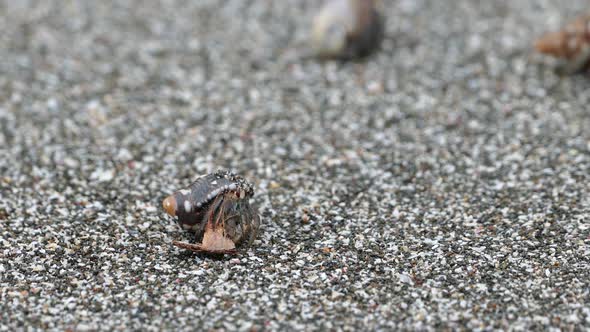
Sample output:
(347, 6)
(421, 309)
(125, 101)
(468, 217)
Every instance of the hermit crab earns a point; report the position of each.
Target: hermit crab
(572, 43)
(216, 207)
(347, 29)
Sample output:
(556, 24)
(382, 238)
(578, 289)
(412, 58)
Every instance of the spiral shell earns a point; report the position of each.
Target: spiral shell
(347, 29)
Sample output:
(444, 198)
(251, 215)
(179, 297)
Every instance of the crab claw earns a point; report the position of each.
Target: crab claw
(169, 205)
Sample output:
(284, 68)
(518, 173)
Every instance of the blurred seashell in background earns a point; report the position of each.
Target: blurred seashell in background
(347, 29)
(572, 44)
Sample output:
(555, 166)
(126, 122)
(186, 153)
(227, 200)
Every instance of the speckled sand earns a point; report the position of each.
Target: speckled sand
(441, 184)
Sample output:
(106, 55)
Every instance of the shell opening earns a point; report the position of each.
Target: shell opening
(169, 205)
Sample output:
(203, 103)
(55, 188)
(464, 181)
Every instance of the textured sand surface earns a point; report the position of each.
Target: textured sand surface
(442, 183)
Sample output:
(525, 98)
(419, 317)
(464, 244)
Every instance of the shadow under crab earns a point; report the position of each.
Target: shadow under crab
(217, 210)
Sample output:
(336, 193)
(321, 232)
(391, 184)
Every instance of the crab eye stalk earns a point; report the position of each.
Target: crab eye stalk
(169, 205)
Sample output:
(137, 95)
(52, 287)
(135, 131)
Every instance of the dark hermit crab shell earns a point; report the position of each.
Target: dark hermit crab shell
(572, 43)
(216, 208)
